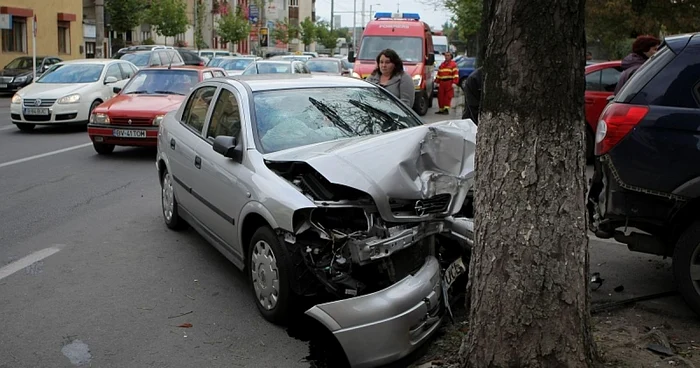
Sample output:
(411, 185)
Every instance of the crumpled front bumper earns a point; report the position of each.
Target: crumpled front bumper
(384, 326)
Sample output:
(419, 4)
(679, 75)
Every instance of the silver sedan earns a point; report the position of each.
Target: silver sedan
(325, 186)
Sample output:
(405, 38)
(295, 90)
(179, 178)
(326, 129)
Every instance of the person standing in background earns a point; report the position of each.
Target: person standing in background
(447, 77)
(390, 75)
(643, 48)
(472, 95)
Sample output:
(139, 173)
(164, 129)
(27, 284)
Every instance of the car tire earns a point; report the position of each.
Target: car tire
(686, 266)
(421, 104)
(103, 148)
(268, 265)
(168, 203)
(25, 127)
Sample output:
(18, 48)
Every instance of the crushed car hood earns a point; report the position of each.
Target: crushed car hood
(410, 164)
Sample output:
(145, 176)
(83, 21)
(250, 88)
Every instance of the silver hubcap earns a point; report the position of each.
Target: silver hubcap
(167, 197)
(265, 275)
(695, 268)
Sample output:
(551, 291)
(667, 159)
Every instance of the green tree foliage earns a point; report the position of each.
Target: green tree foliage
(168, 17)
(199, 41)
(233, 27)
(307, 29)
(125, 14)
(325, 36)
(467, 15)
(284, 31)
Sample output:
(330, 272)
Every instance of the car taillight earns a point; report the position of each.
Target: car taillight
(616, 121)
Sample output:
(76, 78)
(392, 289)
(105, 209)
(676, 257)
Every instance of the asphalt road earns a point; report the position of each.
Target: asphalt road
(107, 284)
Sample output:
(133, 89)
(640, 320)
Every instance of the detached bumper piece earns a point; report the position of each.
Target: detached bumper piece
(384, 326)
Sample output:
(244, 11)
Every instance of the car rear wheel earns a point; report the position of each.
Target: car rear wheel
(103, 148)
(268, 269)
(686, 266)
(169, 203)
(25, 127)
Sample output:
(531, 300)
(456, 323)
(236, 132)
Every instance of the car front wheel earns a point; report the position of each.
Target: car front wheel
(686, 266)
(269, 271)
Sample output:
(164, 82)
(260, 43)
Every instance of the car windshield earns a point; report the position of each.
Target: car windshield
(268, 68)
(72, 73)
(346, 64)
(235, 64)
(323, 66)
(216, 61)
(139, 59)
(410, 49)
(22, 63)
(162, 81)
(293, 118)
(440, 48)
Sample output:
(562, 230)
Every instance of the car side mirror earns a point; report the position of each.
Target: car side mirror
(116, 89)
(431, 59)
(111, 79)
(225, 145)
(351, 56)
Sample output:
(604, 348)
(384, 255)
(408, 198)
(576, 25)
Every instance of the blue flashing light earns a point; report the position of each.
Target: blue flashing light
(414, 16)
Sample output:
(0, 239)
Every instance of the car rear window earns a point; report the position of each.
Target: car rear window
(644, 74)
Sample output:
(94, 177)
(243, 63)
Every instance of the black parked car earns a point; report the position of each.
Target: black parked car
(190, 57)
(646, 188)
(19, 72)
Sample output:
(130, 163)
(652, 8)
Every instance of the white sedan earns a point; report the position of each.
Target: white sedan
(68, 92)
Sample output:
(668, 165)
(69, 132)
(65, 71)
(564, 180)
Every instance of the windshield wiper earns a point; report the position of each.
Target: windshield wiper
(386, 117)
(169, 93)
(136, 92)
(332, 115)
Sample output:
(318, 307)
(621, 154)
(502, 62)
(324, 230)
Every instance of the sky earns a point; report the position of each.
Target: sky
(428, 13)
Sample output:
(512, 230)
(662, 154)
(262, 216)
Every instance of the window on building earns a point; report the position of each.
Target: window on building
(63, 37)
(145, 35)
(293, 3)
(15, 39)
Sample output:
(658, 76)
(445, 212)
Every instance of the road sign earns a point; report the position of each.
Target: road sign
(253, 14)
(264, 39)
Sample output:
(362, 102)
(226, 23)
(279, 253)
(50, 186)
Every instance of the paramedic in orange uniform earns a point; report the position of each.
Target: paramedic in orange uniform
(447, 76)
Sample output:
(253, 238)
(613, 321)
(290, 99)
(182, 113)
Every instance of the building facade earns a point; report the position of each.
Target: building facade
(58, 29)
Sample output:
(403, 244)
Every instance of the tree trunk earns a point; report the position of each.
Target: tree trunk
(528, 284)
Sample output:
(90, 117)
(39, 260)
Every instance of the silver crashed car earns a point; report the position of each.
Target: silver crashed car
(326, 187)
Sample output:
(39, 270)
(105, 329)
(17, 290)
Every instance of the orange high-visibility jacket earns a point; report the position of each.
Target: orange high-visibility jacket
(448, 70)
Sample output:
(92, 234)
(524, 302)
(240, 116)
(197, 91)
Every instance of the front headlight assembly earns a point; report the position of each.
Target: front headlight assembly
(99, 119)
(157, 120)
(74, 98)
(16, 99)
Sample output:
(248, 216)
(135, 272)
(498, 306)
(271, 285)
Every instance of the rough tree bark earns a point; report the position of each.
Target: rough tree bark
(529, 295)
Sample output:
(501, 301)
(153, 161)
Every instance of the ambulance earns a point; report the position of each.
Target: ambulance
(412, 39)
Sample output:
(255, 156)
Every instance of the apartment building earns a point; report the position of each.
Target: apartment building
(58, 29)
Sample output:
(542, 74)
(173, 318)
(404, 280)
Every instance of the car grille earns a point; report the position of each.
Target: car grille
(37, 117)
(436, 204)
(42, 102)
(130, 121)
(6, 79)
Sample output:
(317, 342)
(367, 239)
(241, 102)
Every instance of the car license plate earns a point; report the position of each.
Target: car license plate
(129, 133)
(36, 111)
(452, 272)
(3, 85)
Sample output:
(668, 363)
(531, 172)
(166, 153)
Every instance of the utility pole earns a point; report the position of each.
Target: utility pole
(354, 24)
(332, 16)
(362, 22)
(100, 28)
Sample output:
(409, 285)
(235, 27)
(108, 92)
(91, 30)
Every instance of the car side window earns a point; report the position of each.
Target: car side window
(127, 72)
(218, 73)
(155, 59)
(226, 118)
(609, 78)
(197, 107)
(114, 71)
(593, 81)
(206, 75)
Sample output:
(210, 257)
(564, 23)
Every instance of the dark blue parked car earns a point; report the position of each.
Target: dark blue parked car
(466, 66)
(646, 187)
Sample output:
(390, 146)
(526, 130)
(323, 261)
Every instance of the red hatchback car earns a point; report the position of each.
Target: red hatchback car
(132, 117)
(601, 79)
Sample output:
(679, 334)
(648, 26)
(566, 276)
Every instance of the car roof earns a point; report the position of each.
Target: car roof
(326, 59)
(266, 82)
(277, 61)
(603, 65)
(92, 61)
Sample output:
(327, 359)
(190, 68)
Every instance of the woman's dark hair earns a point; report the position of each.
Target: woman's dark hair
(394, 58)
(644, 43)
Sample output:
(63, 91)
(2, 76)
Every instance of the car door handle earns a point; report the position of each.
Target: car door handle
(172, 143)
(198, 162)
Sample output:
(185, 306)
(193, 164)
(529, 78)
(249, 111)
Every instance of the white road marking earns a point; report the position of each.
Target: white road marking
(28, 260)
(44, 155)
(9, 127)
